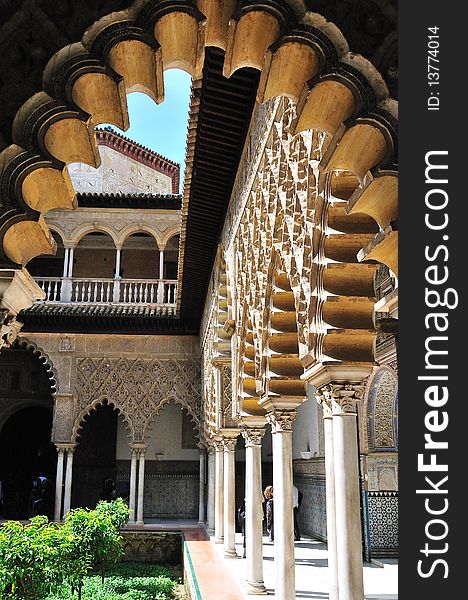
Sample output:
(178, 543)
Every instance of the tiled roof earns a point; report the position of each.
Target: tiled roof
(140, 201)
(74, 318)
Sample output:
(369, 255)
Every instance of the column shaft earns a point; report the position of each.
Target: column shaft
(161, 264)
(68, 482)
(331, 508)
(219, 495)
(70, 262)
(253, 517)
(201, 495)
(132, 496)
(118, 252)
(347, 500)
(141, 488)
(65, 262)
(229, 499)
(211, 491)
(283, 515)
(58, 485)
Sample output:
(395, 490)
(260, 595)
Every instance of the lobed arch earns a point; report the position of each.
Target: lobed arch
(172, 399)
(102, 400)
(44, 358)
(85, 84)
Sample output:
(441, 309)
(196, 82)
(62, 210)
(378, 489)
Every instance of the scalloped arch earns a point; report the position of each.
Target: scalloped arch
(44, 358)
(63, 132)
(101, 401)
(172, 399)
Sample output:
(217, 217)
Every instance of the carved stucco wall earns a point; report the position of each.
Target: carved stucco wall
(381, 418)
(118, 174)
(137, 374)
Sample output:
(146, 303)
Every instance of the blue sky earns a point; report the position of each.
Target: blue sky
(162, 127)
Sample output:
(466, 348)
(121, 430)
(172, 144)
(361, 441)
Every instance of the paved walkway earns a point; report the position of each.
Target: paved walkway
(380, 583)
(223, 579)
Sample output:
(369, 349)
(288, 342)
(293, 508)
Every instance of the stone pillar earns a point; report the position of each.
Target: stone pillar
(161, 263)
(68, 480)
(211, 490)
(219, 492)
(141, 487)
(133, 477)
(59, 483)
(201, 494)
(117, 278)
(253, 509)
(330, 498)
(230, 441)
(347, 493)
(65, 262)
(70, 262)
(281, 428)
(118, 254)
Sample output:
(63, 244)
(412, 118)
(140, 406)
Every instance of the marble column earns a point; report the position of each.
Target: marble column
(65, 262)
(70, 262)
(133, 479)
(211, 490)
(59, 483)
(281, 428)
(68, 481)
(230, 495)
(141, 487)
(219, 492)
(201, 490)
(333, 592)
(118, 254)
(347, 493)
(253, 510)
(161, 263)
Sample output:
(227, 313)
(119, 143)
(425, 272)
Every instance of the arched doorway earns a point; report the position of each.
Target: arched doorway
(26, 449)
(95, 457)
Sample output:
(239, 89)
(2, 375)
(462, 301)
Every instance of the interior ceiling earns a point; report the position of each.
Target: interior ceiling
(32, 31)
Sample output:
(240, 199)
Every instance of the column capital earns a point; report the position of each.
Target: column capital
(230, 444)
(253, 437)
(281, 420)
(339, 397)
(66, 446)
(218, 444)
(138, 447)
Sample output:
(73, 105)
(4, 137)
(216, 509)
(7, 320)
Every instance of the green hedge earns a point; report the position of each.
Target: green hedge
(38, 558)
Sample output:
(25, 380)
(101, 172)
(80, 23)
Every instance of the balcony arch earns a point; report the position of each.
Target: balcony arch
(87, 229)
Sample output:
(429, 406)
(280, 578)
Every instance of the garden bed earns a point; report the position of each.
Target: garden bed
(128, 581)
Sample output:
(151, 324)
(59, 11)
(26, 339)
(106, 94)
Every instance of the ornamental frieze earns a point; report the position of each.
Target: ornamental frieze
(138, 388)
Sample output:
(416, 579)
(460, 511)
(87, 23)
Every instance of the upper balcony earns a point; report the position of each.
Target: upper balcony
(98, 270)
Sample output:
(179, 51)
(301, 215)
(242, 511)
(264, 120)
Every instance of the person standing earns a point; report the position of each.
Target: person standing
(297, 500)
(241, 522)
(268, 493)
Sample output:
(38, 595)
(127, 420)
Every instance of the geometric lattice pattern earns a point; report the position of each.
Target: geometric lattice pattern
(138, 388)
(383, 522)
